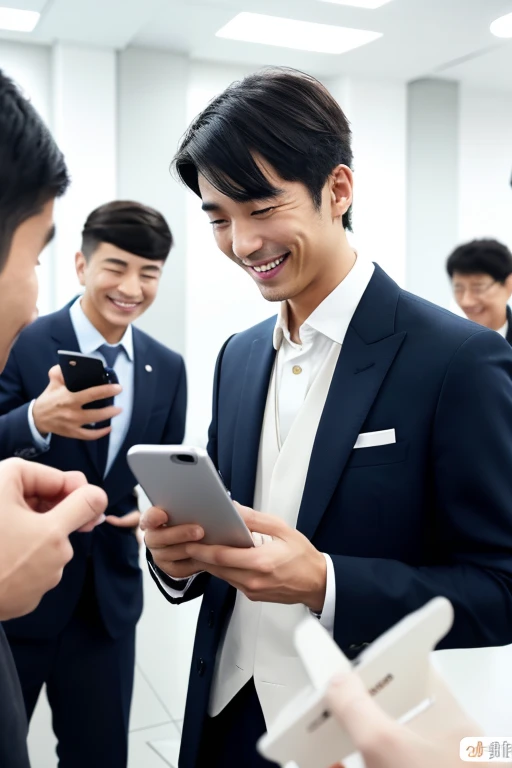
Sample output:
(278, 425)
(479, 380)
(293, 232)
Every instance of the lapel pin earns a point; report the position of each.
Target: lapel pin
(149, 368)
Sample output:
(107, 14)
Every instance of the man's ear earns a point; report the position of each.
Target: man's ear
(80, 266)
(341, 184)
(508, 286)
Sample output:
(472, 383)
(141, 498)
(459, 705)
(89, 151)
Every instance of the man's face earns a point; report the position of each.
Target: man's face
(284, 243)
(481, 298)
(18, 279)
(119, 286)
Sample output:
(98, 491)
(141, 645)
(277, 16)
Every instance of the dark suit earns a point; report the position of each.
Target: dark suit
(13, 721)
(84, 629)
(429, 515)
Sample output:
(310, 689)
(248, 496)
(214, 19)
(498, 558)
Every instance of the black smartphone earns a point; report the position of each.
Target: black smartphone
(83, 372)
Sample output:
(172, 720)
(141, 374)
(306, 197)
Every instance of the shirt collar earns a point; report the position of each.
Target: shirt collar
(89, 338)
(503, 330)
(333, 316)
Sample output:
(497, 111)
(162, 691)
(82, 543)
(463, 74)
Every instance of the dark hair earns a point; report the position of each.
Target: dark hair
(131, 226)
(282, 115)
(32, 168)
(481, 256)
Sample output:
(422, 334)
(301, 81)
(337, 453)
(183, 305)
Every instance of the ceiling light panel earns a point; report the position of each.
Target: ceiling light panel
(18, 21)
(299, 35)
(371, 4)
(502, 27)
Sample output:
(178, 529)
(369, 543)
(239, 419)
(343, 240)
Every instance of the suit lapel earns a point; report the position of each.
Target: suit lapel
(249, 422)
(64, 335)
(145, 373)
(368, 351)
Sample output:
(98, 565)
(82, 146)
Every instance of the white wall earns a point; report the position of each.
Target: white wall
(485, 165)
(84, 92)
(152, 100)
(30, 67)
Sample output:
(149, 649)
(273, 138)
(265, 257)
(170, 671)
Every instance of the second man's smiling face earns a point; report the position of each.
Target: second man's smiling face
(119, 286)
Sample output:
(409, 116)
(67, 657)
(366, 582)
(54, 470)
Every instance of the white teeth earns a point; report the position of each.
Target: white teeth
(124, 304)
(268, 267)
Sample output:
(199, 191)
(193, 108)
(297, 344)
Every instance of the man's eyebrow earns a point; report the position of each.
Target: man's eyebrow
(213, 207)
(49, 236)
(115, 262)
(206, 206)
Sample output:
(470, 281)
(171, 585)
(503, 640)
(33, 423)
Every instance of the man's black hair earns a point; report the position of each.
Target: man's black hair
(486, 256)
(32, 168)
(283, 116)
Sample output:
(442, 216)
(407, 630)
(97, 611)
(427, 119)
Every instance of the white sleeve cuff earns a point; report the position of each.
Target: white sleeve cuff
(327, 616)
(170, 591)
(43, 443)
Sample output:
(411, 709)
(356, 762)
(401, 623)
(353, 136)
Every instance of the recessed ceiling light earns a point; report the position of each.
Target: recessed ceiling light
(372, 4)
(502, 27)
(18, 21)
(290, 33)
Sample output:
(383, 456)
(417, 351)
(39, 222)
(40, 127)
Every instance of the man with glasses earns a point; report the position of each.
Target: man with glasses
(481, 275)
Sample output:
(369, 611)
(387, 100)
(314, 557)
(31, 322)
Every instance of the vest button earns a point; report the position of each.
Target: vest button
(211, 619)
(201, 667)
(296, 370)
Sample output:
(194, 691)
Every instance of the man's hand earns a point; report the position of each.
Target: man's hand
(385, 743)
(60, 412)
(167, 543)
(130, 520)
(286, 569)
(35, 546)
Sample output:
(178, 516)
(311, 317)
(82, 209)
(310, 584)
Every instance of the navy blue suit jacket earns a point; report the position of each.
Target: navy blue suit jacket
(158, 417)
(429, 515)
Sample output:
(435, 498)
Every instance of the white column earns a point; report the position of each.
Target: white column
(84, 125)
(432, 195)
(152, 118)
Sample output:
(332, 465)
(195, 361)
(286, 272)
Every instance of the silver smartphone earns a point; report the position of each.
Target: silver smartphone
(184, 482)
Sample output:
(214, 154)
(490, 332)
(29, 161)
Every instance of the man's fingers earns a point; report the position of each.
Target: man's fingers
(55, 375)
(262, 522)
(92, 434)
(83, 507)
(163, 537)
(153, 518)
(356, 711)
(131, 520)
(32, 480)
(92, 394)
(96, 415)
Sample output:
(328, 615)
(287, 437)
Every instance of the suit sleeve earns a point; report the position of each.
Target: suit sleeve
(16, 437)
(195, 587)
(471, 516)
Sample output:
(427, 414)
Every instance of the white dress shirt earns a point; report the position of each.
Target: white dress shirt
(297, 367)
(89, 339)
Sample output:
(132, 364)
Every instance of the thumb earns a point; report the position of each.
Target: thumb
(55, 375)
(82, 509)
(262, 522)
(354, 708)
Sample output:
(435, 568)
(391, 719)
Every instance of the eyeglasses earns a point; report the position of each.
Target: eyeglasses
(474, 290)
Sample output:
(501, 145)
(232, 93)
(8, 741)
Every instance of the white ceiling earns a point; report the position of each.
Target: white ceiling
(443, 38)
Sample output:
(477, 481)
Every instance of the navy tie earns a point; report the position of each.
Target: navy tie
(110, 353)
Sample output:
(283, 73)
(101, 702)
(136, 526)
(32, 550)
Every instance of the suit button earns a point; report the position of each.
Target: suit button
(211, 619)
(201, 667)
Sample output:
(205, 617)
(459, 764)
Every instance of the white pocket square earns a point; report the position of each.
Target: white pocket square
(371, 439)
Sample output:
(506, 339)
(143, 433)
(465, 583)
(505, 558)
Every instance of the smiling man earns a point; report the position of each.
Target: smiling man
(368, 433)
(481, 276)
(80, 640)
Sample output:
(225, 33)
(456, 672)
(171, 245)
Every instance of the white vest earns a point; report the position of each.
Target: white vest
(258, 641)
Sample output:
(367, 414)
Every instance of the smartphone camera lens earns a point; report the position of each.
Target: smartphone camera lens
(184, 458)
